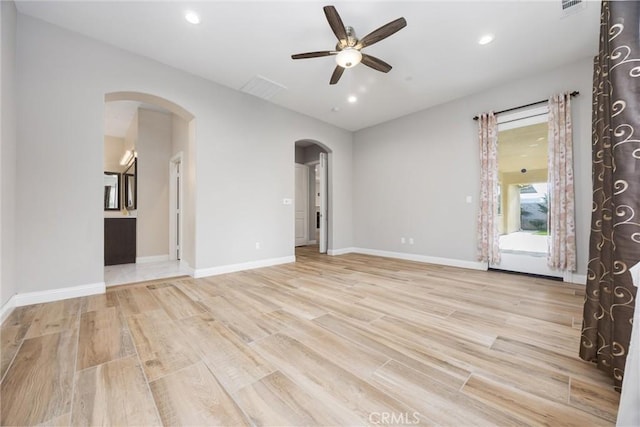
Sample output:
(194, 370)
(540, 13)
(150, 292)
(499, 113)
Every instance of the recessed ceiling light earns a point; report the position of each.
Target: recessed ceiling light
(352, 99)
(192, 17)
(486, 39)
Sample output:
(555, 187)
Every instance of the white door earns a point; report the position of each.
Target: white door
(523, 205)
(322, 171)
(302, 205)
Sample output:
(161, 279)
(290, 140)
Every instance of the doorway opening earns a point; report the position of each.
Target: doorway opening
(143, 135)
(523, 198)
(312, 195)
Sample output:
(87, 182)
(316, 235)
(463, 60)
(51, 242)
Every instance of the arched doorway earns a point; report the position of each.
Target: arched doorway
(312, 195)
(154, 222)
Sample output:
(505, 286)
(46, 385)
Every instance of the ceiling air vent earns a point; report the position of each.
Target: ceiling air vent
(262, 87)
(569, 7)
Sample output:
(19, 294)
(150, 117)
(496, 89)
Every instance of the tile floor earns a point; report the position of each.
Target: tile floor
(129, 273)
(523, 241)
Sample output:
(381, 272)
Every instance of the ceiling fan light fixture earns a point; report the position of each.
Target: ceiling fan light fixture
(348, 57)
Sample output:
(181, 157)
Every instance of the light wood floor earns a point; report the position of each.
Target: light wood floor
(347, 340)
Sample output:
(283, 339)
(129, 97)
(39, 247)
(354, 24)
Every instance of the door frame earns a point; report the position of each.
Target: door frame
(329, 183)
(176, 206)
(323, 169)
(305, 189)
(312, 165)
(323, 239)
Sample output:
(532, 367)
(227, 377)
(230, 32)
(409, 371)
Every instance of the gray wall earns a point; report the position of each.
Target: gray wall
(299, 155)
(412, 174)
(154, 152)
(408, 177)
(61, 109)
(312, 153)
(8, 285)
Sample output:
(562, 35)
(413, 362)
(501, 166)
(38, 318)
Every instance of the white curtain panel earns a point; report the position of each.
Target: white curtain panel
(562, 229)
(629, 409)
(488, 243)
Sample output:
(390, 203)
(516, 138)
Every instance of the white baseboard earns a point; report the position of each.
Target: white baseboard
(7, 308)
(568, 277)
(312, 242)
(152, 258)
(232, 268)
(473, 265)
(29, 298)
(184, 265)
(342, 251)
(571, 277)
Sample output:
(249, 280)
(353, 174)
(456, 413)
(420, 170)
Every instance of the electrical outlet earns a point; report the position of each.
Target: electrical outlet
(402, 240)
(257, 245)
(411, 240)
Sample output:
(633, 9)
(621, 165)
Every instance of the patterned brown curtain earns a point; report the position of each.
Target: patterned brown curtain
(615, 224)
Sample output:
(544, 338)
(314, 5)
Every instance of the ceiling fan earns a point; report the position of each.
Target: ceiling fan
(349, 48)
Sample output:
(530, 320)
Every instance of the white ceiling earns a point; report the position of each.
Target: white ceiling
(523, 148)
(436, 58)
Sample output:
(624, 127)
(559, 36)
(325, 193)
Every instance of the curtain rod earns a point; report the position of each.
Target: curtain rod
(574, 93)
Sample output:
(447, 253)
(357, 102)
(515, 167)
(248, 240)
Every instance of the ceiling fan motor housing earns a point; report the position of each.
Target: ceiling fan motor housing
(350, 41)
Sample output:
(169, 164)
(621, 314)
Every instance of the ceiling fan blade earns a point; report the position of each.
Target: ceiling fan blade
(313, 54)
(383, 32)
(335, 22)
(337, 73)
(375, 63)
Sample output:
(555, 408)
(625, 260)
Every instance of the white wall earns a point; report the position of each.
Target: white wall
(154, 152)
(412, 174)
(242, 143)
(131, 136)
(113, 152)
(8, 285)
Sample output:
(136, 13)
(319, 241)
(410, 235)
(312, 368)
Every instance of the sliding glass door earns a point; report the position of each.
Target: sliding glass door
(523, 194)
